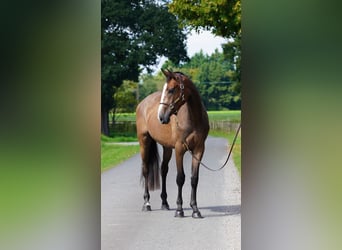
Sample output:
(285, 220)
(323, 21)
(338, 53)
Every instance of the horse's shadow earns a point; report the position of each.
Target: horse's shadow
(217, 211)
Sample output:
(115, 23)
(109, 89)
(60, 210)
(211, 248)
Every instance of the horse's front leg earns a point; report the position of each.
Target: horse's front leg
(194, 182)
(164, 169)
(180, 180)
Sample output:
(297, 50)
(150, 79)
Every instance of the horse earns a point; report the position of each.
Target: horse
(176, 119)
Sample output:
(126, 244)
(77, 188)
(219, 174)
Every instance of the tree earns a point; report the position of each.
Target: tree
(150, 84)
(134, 34)
(126, 97)
(223, 18)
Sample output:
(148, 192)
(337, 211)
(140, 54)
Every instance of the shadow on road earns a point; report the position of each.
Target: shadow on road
(214, 211)
(221, 210)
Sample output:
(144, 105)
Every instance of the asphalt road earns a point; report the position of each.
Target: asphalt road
(125, 226)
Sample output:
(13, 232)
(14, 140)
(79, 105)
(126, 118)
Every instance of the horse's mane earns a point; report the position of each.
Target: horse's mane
(182, 74)
(178, 72)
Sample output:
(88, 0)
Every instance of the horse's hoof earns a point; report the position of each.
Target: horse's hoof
(146, 208)
(197, 215)
(165, 207)
(179, 213)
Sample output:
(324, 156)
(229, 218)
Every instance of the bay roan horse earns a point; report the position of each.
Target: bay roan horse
(176, 119)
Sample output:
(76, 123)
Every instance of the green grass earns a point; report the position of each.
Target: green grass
(118, 139)
(227, 115)
(112, 154)
(233, 116)
(124, 117)
(230, 115)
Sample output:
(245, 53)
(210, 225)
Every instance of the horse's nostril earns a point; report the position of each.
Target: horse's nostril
(163, 120)
(160, 119)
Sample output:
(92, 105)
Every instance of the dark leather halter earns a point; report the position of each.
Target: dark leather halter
(180, 98)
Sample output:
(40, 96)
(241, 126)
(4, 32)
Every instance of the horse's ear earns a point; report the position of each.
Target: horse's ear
(166, 73)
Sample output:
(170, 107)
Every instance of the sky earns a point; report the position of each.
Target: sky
(204, 40)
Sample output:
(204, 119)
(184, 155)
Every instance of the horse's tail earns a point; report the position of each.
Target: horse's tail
(153, 167)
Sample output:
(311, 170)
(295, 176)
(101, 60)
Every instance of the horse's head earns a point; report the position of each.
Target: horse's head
(173, 96)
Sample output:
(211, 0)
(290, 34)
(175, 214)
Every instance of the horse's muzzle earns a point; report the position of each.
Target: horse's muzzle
(164, 113)
(164, 119)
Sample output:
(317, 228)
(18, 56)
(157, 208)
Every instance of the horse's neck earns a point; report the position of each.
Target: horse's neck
(195, 109)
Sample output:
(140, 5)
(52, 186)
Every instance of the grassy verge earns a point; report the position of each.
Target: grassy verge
(233, 116)
(236, 154)
(113, 154)
(226, 115)
(118, 139)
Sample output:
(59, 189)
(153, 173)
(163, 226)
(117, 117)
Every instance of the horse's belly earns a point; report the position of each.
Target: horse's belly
(163, 135)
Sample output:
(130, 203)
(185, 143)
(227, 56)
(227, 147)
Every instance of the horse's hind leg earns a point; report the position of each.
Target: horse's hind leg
(164, 169)
(144, 148)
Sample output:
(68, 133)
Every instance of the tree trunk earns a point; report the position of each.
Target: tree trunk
(104, 122)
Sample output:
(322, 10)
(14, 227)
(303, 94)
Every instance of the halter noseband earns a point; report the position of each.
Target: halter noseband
(180, 97)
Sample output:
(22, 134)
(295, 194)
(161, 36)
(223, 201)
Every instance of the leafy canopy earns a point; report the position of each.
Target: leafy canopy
(222, 17)
(134, 34)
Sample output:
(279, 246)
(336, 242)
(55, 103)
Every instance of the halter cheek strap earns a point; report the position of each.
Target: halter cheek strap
(180, 98)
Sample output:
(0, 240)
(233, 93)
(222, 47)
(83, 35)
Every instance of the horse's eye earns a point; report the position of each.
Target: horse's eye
(171, 91)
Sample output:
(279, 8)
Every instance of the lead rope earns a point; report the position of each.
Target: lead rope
(230, 151)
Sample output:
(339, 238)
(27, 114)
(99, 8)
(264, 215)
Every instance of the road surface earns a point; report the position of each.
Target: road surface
(125, 226)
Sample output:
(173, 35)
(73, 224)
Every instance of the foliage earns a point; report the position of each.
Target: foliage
(150, 84)
(232, 52)
(133, 35)
(125, 97)
(222, 17)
